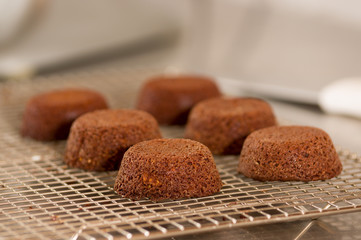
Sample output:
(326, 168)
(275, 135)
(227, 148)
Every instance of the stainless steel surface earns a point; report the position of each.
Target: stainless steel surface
(41, 198)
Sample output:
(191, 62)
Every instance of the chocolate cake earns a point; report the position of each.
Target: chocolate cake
(222, 124)
(170, 98)
(167, 169)
(48, 116)
(289, 153)
(98, 140)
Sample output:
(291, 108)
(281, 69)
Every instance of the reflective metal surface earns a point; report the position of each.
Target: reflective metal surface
(41, 198)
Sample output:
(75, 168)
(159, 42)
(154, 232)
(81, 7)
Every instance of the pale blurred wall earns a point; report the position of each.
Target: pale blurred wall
(77, 30)
(307, 41)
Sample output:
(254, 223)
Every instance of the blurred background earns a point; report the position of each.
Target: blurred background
(251, 39)
(284, 49)
(291, 51)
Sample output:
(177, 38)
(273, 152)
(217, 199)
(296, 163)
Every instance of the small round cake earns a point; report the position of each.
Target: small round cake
(289, 153)
(98, 140)
(169, 99)
(48, 116)
(222, 124)
(167, 169)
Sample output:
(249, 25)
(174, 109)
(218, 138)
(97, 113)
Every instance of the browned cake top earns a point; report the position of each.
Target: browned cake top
(115, 118)
(170, 148)
(231, 106)
(167, 169)
(185, 83)
(289, 153)
(290, 134)
(65, 97)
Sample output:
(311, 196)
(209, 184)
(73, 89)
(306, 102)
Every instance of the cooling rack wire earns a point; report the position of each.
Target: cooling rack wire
(41, 198)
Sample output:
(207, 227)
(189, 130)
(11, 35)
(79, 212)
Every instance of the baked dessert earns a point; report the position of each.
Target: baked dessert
(48, 116)
(167, 169)
(170, 98)
(289, 153)
(222, 124)
(98, 140)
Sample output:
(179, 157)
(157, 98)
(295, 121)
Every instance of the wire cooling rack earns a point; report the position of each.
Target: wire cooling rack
(41, 198)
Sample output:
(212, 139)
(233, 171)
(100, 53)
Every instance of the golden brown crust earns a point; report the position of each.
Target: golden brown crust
(169, 99)
(48, 116)
(289, 153)
(222, 124)
(98, 140)
(167, 169)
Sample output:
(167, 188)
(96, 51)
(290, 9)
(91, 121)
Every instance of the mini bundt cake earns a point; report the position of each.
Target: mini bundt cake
(48, 116)
(167, 169)
(169, 99)
(98, 140)
(289, 153)
(222, 124)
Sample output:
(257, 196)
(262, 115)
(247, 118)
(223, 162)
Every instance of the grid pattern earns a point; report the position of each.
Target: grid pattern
(41, 198)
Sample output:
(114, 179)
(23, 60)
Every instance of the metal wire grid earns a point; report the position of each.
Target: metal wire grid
(41, 198)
